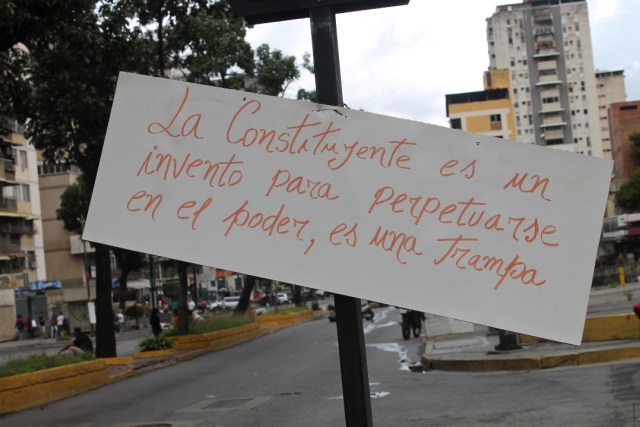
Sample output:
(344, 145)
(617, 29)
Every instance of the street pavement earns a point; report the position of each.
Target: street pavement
(458, 346)
(475, 348)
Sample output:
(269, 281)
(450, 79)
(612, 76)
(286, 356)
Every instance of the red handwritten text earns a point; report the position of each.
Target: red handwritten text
(189, 125)
(301, 186)
(462, 257)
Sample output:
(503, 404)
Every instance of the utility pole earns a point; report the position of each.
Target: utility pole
(324, 38)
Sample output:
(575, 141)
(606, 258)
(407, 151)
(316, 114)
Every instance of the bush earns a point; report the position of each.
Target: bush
(160, 342)
(217, 323)
(39, 362)
(134, 311)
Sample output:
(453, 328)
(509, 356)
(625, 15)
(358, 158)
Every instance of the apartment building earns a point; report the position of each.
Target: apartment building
(610, 89)
(21, 243)
(69, 259)
(546, 46)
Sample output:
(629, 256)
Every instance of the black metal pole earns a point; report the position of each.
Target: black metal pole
(353, 357)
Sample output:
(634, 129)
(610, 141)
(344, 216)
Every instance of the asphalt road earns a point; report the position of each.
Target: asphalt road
(292, 378)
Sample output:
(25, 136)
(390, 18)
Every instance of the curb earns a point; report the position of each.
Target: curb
(49, 385)
(526, 363)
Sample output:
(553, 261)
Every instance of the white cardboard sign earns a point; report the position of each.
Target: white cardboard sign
(410, 214)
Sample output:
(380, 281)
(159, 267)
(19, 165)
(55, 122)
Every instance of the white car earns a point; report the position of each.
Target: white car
(230, 303)
(283, 298)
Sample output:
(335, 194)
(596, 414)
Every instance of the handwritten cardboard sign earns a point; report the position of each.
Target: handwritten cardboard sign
(413, 215)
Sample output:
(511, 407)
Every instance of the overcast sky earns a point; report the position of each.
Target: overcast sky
(401, 61)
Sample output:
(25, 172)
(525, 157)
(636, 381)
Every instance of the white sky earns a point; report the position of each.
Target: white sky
(401, 61)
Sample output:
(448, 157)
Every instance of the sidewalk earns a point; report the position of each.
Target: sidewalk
(475, 351)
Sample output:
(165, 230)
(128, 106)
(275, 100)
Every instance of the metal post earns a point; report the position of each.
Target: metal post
(353, 357)
(152, 282)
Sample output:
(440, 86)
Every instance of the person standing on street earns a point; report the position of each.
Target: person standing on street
(60, 323)
(154, 320)
(20, 327)
(54, 326)
(42, 323)
(120, 320)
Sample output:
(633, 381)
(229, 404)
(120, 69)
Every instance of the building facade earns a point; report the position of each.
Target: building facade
(546, 46)
(68, 257)
(22, 258)
(624, 119)
(489, 112)
(610, 89)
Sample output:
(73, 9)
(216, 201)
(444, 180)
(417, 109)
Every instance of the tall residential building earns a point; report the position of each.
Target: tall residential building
(546, 46)
(21, 243)
(610, 89)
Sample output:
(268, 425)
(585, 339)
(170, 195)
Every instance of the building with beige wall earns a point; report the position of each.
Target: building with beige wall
(610, 89)
(488, 112)
(64, 252)
(22, 258)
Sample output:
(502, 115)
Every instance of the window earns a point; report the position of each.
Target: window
(26, 195)
(496, 118)
(455, 123)
(22, 159)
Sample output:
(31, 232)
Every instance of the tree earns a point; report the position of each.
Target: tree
(628, 196)
(303, 94)
(274, 71)
(209, 46)
(75, 53)
(74, 204)
(128, 261)
(62, 81)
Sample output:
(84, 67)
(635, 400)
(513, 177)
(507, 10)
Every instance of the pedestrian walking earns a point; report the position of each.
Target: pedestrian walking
(120, 320)
(154, 320)
(20, 327)
(42, 323)
(60, 324)
(53, 323)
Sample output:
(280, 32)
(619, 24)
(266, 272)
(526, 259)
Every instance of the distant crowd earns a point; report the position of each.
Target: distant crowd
(29, 328)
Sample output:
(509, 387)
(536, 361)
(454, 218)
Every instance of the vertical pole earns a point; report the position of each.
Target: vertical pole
(152, 282)
(353, 357)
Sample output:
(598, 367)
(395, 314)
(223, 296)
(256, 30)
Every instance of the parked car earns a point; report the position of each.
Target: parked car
(230, 303)
(216, 305)
(283, 298)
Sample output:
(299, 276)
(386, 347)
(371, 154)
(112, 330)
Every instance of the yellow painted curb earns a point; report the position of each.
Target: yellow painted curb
(613, 327)
(125, 360)
(155, 353)
(25, 391)
(601, 328)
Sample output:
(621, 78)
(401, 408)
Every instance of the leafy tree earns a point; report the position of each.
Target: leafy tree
(74, 204)
(63, 78)
(210, 48)
(303, 94)
(74, 51)
(634, 137)
(274, 71)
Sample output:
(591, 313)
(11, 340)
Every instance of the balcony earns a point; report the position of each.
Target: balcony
(11, 227)
(7, 170)
(8, 205)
